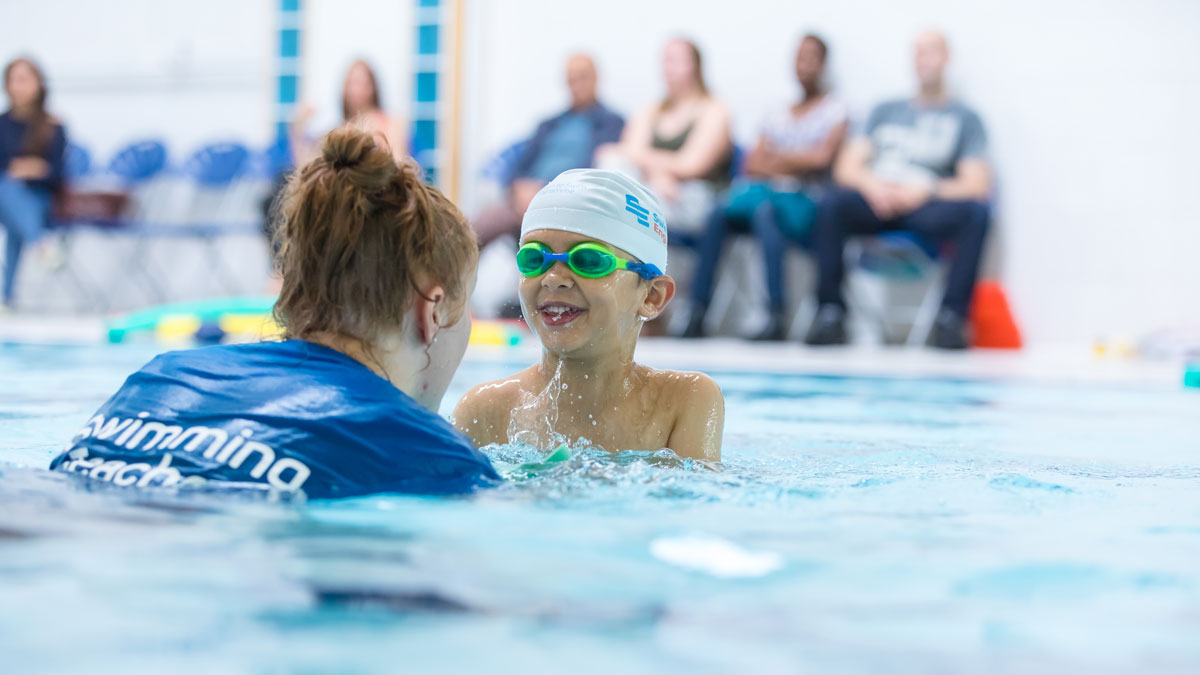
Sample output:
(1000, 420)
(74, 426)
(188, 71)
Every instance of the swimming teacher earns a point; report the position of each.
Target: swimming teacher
(377, 270)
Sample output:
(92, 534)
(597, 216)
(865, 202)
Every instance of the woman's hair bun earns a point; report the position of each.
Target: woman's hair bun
(361, 236)
(355, 154)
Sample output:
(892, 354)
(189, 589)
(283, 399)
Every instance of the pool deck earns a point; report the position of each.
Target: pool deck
(1043, 363)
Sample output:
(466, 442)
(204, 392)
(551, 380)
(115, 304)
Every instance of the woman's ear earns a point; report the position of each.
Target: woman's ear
(658, 296)
(430, 310)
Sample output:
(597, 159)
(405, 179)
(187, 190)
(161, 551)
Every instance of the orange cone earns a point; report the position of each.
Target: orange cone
(992, 319)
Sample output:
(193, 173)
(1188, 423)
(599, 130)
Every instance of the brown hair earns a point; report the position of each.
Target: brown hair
(39, 131)
(374, 89)
(820, 43)
(697, 64)
(358, 234)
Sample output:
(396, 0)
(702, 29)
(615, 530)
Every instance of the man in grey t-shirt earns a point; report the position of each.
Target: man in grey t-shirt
(919, 165)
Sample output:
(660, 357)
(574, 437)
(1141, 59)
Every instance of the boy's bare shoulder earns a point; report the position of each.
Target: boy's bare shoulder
(497, 392)
(483, 408)
(685, 386)
(698, 406)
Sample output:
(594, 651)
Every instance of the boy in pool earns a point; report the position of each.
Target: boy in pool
(594, 257)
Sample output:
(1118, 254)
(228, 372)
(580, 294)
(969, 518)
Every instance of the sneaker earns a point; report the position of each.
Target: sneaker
(774, 331)
(828, 327)
(695, 325)
(949, 331)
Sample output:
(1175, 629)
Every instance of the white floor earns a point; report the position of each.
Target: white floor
(1046, 363)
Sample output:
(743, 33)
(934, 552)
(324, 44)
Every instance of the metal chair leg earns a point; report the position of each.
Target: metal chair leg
(922, 325)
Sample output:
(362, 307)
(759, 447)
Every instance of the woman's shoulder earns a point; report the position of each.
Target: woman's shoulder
(714, 108)
(646, 112)
(833, 106)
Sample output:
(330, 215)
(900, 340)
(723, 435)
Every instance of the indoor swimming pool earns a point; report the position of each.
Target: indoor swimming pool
(856, 524)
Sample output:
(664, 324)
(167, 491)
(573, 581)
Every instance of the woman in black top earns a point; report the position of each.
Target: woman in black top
(32, 144)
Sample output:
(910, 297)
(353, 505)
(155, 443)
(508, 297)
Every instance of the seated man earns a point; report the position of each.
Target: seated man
(921, 167)
(566, 141)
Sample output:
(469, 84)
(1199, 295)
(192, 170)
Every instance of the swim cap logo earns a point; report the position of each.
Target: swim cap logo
(642, 213)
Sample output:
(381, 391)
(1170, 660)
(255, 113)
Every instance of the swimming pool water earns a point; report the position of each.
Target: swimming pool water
(856, 524)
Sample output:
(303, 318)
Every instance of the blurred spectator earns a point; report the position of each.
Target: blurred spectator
(785, 174)
(681, 146)
(565, 141)
(921, 166)
(32, 147)
(360, 105)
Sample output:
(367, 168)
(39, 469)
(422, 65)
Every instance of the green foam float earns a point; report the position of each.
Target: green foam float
(213, 310)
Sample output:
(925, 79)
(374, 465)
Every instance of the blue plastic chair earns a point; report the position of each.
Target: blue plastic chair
(217, 165)
(135, 166)
(270, 162)
(139, 162)
(216, 169)
(77, 162)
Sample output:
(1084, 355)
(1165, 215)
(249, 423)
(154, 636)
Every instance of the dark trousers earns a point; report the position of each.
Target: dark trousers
(711, 246)
(844, 213)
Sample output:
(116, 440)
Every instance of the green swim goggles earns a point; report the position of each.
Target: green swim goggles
(587, 259)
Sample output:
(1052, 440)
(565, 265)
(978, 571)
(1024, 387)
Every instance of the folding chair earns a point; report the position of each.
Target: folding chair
(731, 277)
(212, 207)
(77, 166)
(138, 167)
(902, 259)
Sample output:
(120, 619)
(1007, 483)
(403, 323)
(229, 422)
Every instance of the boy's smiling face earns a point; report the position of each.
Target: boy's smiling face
(577, 316)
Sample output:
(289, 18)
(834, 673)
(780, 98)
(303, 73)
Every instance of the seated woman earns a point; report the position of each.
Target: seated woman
(786, 172)
(377, 269)
(681, 147)
(360, 105)
(32, 145)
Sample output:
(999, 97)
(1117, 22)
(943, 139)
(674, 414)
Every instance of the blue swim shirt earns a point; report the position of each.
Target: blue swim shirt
(292, 415)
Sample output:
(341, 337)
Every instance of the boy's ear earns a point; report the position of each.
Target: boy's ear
(658, 296)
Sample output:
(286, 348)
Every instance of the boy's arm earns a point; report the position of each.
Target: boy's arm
(701, 419)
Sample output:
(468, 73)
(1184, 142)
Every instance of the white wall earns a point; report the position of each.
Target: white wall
(122, 70)
(1090, 106)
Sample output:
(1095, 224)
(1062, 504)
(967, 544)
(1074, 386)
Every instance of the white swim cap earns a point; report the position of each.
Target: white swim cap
(604, 205)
